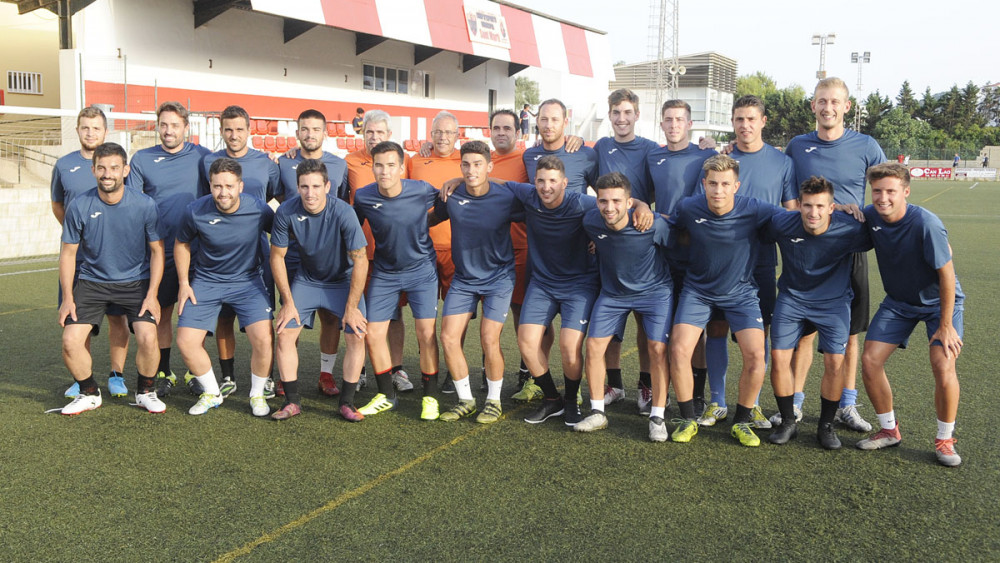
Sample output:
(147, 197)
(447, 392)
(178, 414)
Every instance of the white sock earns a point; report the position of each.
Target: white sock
(887, 420)
(945, 430)
(493, 389)
(597, 405)
(257, 385)
(326, 362)
(464, 389)
(209, 383)
(657, 411)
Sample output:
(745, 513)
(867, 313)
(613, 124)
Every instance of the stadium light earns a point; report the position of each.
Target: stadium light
(860, 59)
(822, 39)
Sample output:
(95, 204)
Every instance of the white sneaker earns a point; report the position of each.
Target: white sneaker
(776, 417)
(658, 429)
(613, 395)
(259, 406)
(205, 402)
(150, 402)
(644, 400)
(596, 421)
(82, 403)
(851, 418)
(402, 381)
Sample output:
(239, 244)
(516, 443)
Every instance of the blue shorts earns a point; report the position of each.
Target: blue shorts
(420, 286)
(542, 304)
(247, 299)
(463, 298)
(894, 322)
(767, 290)
(309, 297)
(610, 314)
(742, 310)
(793, 318)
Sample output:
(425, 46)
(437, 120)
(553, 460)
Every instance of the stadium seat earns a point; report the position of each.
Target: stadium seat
(193, 139)
(281, 143)
(272, 127)
(409, 145)
(342, 129)
(269, 144)
(258, 142)
(293, 142)
(261, 126)
(341, 143)
(331, 129)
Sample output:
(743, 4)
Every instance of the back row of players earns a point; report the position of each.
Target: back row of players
(705, 259)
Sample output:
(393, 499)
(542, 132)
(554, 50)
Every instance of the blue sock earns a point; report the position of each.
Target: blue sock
(848, 397)
(717, 360)
(798, 398)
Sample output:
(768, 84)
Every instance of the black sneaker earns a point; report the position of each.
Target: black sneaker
(699, 406)
(522, 376)
(484, 387)
(827, 437)
(785, 432)
(548, 409)
(448, 386)
(571, 413)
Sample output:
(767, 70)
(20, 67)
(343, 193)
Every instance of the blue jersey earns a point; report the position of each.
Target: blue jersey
(629, 159)
(336, 171)
(71, 176)
(723, 248)
(261, 177)
(910, 251)
(558, 255)
(480, 227)
(816, 269)
(111, 249)
(172, 180)
(843, 162)
(631, 262)
(581, 166)
(323, 239)
(398, 224)
(675, 174)
(229, 247)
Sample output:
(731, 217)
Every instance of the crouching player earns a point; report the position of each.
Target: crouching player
(814, 291)
(915, 261)
(331, 276)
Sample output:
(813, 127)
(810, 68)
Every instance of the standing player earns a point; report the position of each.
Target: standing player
(172, 175)
(915, 261)
(330, 277)
(311, 133)
(227, 270)
(113, 229)
(73, 175)
(581, 165)
(723, 232)
(261, 179)
(842, 156)
(634, 278)
(815, 290)
(397, 211)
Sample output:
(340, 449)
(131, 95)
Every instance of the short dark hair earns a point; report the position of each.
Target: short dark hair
(553, 101)
(232, 112)
(311, 166)
(613, 180)
(551, 162)
(675, 104)
(476, 147)
(226, 164)
(623, 95)
(174, 107)
(510, 112)
(311, 114)
(360, 109)
(749, 101)
(889, 170)
(91, 112)
(816, 185)
(388, 146)
(110, 149)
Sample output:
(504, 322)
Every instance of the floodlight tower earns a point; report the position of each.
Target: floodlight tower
(663, 47)
(859, 59)
(822, 39)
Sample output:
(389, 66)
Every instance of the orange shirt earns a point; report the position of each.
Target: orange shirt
(510, 167)
(359, 175)
(436, 170)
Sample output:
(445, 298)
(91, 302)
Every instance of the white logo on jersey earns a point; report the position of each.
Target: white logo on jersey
(759, 319)
(612, 151)
(539, 210)
(584, 321)
(301, 218)
(602, 236)
(463, 202)
(268, 310)
(214, 221)
(798, 239)
(876, 228)
(95, 215)
(296, 167)
(659, 162)
(810, 149)
(537, 156)
(159, 159)
(376, 205)
(74, 169)
(700, 221)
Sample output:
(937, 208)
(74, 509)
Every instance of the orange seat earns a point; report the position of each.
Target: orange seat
(331, 129)
(293, 142)
(269, 144)
(261, 126)
(258, 142)
(341, 143)
(281, 143)
(272, 127)
(342, 129)
(408, 145)
(193, 139)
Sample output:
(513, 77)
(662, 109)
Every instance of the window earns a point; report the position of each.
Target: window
(24, 82)
(423, 84)
(385, 79)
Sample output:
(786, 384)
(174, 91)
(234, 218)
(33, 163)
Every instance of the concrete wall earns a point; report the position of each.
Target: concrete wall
(27, 227)
(30, 43)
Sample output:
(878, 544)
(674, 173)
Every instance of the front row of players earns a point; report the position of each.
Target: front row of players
(626, 273)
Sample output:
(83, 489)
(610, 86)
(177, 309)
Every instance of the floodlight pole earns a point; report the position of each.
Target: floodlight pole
(822, 39)
(859, 59)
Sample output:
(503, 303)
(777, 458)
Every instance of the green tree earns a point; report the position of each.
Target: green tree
(877, 107)
(757, 84)
(906, 100)
(788, 114)
(928, 106)
(899, 133)
(989, 106)
(525, 92)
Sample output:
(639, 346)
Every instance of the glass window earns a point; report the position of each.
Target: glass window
(404, 82)
(380, 78)
(369, 77)
(390, 80)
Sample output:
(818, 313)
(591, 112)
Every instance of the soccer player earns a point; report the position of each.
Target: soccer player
(397, 212)
(723, 229)
(817, 246)
(73, 175)
(171, 174)
(376, 129)
(112, 229)
(915, 262)
(225, 269)
(842, 156)
(261, 179)
(766, 174)
(310, 134)
(634, 278)
(675, 171)
(480, 213)
(330, 276)
(581, 165)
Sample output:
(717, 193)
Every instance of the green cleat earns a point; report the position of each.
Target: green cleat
(378, 404)
(758, 419)
(429, 408)
(742, 432)
(164, 383)
(529, 392)
(491, 413)
(461, 409)
(685, 430)
(713, 413)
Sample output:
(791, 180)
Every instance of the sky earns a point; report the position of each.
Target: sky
(934, 44)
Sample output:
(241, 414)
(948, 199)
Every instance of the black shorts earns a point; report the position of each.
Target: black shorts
(169, 285)
(860, 311)
(93, 298)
